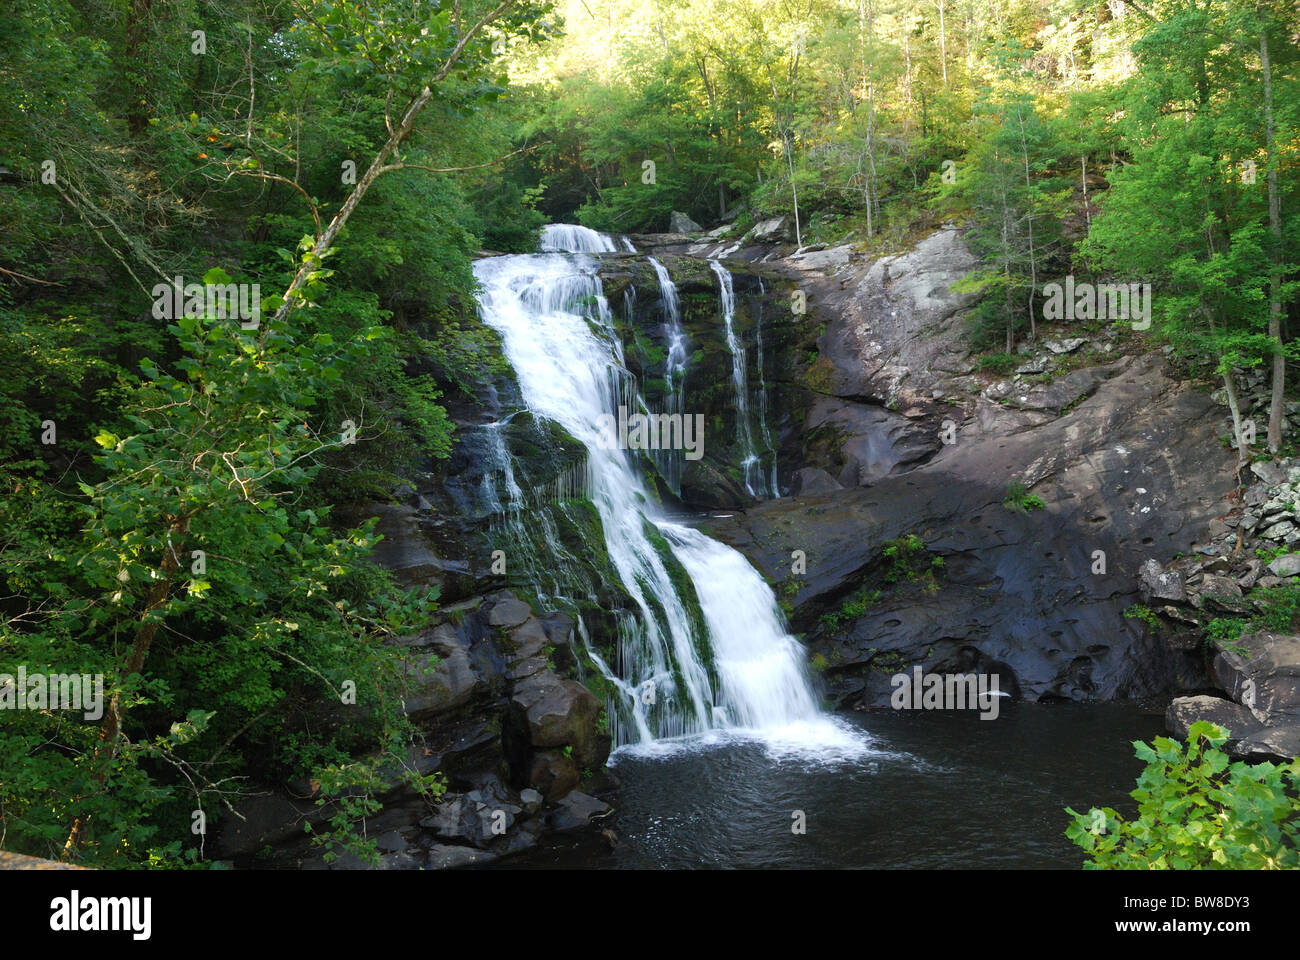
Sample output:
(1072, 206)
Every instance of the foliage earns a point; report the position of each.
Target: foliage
(853, 608)
(1196, 810)
(1019, 498)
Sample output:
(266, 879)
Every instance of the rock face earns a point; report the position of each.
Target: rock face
(904, 438)
(1261, 673)
(1133, 472)
(511, 735)
(895, 333)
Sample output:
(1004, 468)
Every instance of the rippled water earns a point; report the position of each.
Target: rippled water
(932, 790)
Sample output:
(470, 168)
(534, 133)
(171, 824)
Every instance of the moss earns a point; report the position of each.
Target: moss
(853, 608)
(891, 662)
(685, 589)
(818, 376)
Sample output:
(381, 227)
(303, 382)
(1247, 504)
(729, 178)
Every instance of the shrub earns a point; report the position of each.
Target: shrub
(999, 363)
(1197, 811)
(1019, 498)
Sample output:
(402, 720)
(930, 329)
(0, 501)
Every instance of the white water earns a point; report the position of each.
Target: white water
(672, 462)
(762, 394)
(571, 237)
(740, 379)
(569, 371)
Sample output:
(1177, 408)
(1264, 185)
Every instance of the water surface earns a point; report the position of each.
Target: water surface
(931, 790)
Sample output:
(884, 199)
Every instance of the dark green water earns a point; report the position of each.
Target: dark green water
(939, 790)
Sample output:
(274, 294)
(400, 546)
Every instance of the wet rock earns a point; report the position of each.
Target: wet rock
(447, 857)
(552, 773)
(531, 799)
(1087, 467)
(558, 712)
(575, 810)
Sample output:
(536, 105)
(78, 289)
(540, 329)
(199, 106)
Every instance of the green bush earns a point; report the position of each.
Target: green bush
(1196, 810)
(999, 363)
(854, 607)
(1019, 498)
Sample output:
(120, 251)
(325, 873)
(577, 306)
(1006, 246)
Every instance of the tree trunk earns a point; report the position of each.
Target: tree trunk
(378, 165)
(1243, 449)
(1275, 255)
(943, 45)
(1029, 215)
(156, 596)
(137, 55)
(1083, 176)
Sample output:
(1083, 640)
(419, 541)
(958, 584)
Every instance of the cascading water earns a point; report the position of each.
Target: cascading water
(672, 462)
(705, 648)
(569, 237)
(762, 391)
(740, 378)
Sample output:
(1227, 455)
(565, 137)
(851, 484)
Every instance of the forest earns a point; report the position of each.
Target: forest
(184, 477)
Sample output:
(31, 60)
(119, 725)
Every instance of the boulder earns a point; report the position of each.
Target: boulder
(1065, 346)
(1287, 566)
(552, 774)
(442, 676)
(1271, 743)
(1278, 531)
(824, 261)
(558, 712)
(1161, 584)
(1269, 472)
(811, 480)
(1262, 672)
(1219, 593)
(771, 231)
(509, 612)
(1184, 711)
(679, 222)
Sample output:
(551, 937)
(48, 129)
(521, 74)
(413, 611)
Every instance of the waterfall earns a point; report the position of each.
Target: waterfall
(568, 236)
(740, 379)
(704, 647)
(672, 462)
(762, 392)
